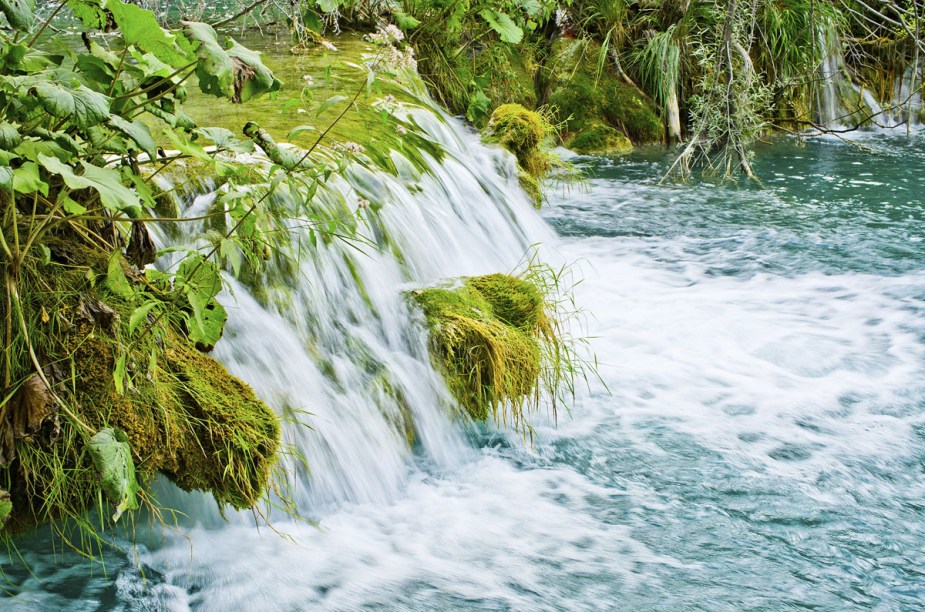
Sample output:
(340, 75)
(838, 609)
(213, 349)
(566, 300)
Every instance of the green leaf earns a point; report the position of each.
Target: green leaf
(207, 324)
(105, 181)
(26, 179)
(139, 315)
(118, 374)
(330, 102)
(9, 136)
(215, 67)
(197, 275)
(20, 13)
(138, 132)
(112, 457)
(405, 21)
(503, 25)
(139, 27)
(327, 6)
(253, 79)
(83, 105)
(226, 139)
(90, 13)
(115, 277)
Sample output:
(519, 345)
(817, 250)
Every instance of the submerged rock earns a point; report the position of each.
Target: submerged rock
(521, 131)
(599, 139)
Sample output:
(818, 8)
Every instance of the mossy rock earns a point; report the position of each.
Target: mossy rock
(183, 413)
(583, 95)
(520, 131)
(600, 139)
(486, 336)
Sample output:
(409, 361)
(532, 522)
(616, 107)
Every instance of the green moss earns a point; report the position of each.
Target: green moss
(520, 131)
(184, 414)
(531, 186)
(486, 337)
(598, 138)
(584, 95)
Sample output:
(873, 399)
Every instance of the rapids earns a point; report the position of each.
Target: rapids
(761, 444)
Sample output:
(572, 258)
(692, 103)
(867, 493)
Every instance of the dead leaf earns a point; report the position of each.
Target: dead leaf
(242, 74)
(140, 250)
(94, 311)
(32, 409)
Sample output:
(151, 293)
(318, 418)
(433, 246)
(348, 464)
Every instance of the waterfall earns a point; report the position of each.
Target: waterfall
(332, 345)
(843, 103)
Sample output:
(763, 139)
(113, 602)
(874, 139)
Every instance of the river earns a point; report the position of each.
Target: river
(757, 440)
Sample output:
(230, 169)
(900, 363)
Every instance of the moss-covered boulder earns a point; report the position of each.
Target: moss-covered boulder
(181, 412)
(487, 336)
(599, 139)
(585, 94)
(521, 131)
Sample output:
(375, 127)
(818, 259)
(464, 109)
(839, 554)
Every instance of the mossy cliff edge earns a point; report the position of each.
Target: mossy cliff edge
(487, 337)
(182, 413)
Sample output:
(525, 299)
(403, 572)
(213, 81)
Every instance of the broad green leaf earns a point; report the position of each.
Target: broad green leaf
(139, 27)
(90, 13)
(20, 13)
(503, 25)
(83, 105)
(9, 136)
(312, 21)
(207, 324)
(26, 179)
(105, 181)
(115, 277)
(405, 21)
(6, 178)
(187, 147)
(226, 139)
(215, 67)
(140, 314)
(327, 6)
(254, 78)
(112, 457)
(138, 132)
(72, 208)
(34, 149)
(199, 276)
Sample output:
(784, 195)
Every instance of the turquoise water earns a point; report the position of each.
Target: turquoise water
(760, 444)
(765, 350)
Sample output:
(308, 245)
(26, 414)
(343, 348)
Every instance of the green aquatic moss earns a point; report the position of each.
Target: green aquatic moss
(486, 339)
(183, 413)
(520, 131)
(598, 138)
(531, 186)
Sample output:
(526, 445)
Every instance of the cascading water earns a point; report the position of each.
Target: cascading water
(842, 103)
(335, 338)
(762, 447)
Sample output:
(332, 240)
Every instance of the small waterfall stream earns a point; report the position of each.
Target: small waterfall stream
(332, 345)
(842, 103)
